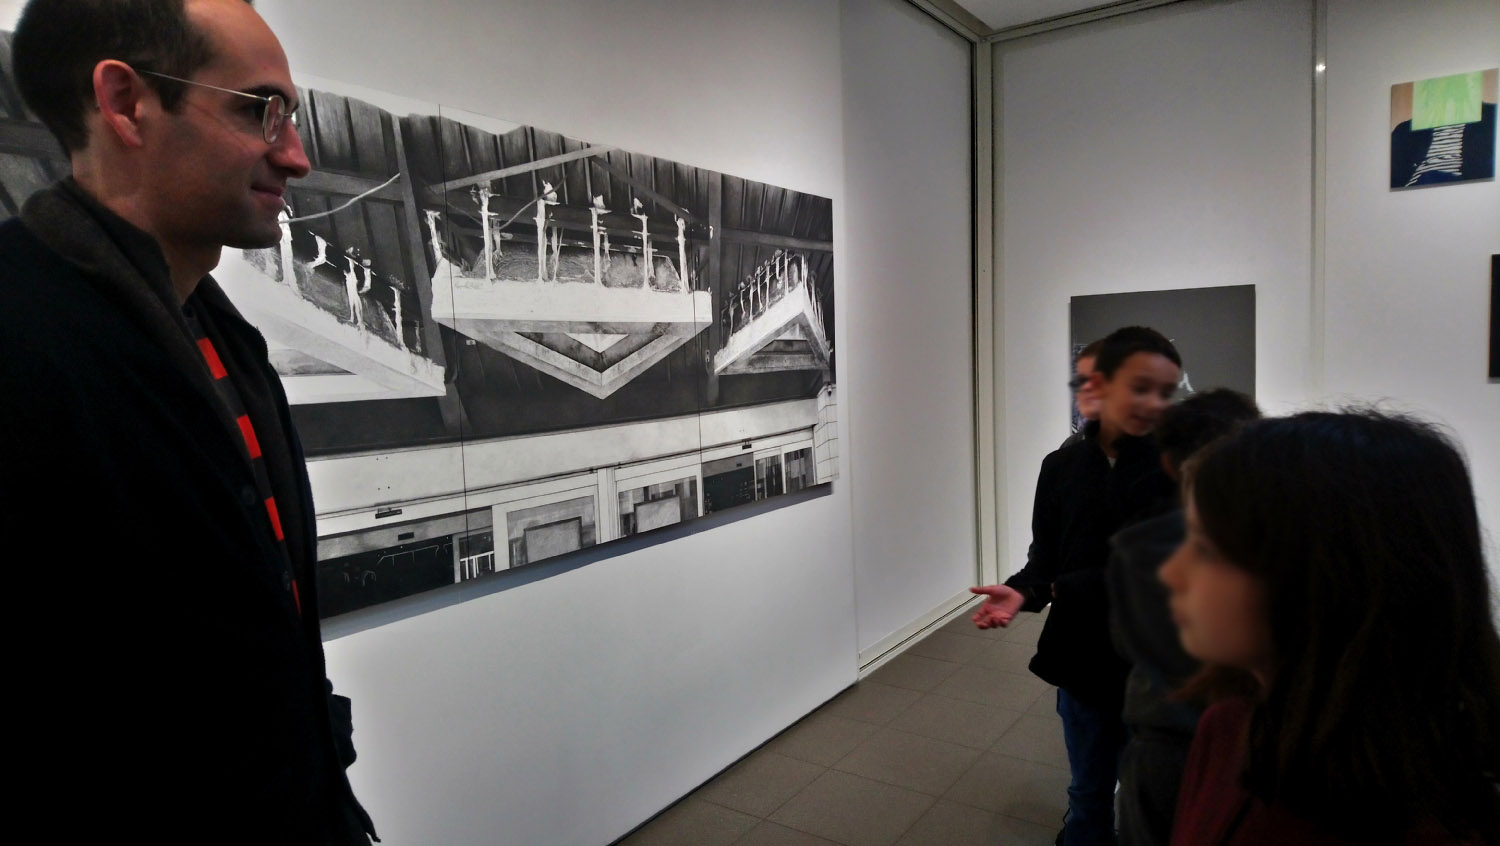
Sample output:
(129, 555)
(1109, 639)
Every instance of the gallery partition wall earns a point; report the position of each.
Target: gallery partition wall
(1166, 149)
(909, 176)
(1182, 150)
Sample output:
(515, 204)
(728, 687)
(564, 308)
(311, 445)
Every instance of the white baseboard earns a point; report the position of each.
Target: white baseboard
(896, 642)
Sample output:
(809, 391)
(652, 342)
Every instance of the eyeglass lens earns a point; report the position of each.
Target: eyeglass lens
(274, 118)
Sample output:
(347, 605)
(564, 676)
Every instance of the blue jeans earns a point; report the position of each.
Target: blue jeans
(1095, 739)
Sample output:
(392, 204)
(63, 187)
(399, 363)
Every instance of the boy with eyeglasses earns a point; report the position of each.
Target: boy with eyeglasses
(1086, 492)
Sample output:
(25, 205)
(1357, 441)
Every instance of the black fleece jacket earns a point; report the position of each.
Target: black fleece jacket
(1081, 500)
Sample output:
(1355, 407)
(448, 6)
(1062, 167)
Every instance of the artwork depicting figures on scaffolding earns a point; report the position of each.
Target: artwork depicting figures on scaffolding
(503, 344)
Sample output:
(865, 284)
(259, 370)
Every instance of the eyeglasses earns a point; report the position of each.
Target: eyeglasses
(274, 113)
(1077, 382)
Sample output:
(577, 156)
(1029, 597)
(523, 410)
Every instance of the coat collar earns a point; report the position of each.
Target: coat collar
(1124, 444)
(126, 265)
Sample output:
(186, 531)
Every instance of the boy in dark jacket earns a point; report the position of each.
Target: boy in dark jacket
(1086, 492)
(1161, 730)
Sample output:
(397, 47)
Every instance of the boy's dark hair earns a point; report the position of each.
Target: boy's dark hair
(1124, 343)
(58, 43)
(1383, 706)
(1201, 419)
(1090, 351)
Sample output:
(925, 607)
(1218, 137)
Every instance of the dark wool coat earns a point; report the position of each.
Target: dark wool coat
(1080, 502)
(164, 682)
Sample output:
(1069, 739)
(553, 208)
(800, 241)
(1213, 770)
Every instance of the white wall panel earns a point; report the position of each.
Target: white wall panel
(1408, 271)
(909, 263)
(1165, 149)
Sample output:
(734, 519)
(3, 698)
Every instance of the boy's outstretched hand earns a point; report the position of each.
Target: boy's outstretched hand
(999, 608)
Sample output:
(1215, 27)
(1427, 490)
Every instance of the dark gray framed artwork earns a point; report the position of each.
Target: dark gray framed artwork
(1495, 317)
(1212, 328)
(504, 344)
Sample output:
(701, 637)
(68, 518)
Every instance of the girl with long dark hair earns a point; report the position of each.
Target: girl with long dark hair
(1333, 580)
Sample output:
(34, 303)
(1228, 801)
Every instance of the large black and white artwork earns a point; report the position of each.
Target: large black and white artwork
(504, 344)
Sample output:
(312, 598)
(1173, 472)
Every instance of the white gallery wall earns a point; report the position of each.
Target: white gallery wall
(908, 189)
(1160, 150)
(1408, 271)
(1174, 148)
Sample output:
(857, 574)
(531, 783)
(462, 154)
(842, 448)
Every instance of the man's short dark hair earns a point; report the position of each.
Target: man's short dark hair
(1200, 420)
(58, 43)
(1090, 351)
(1121, 344)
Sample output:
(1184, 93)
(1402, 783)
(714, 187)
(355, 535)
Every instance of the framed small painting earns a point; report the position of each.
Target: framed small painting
(1443, 129)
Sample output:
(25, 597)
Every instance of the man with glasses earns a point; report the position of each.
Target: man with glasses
(1085, 396)
(178, 690)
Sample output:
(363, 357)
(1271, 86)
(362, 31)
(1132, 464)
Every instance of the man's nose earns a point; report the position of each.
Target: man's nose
(287, 153)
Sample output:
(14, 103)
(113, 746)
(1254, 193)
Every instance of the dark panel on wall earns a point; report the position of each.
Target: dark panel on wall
(1213, 329)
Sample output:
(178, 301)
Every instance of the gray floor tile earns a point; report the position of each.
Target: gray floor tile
(965, 723)
(760, 783)
(1046, 705)
(952, 824)
(946, 646)
(914, 672)
(911, 761)
(872, 702)
(1036, 739)
(770, 834)
(822, 738)
(1006, 656)
(1011, 691)
(693, 822)
(855, 811)
(1004, 785)
(884, 781)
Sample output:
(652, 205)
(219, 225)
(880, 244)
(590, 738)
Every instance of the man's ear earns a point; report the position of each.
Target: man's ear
(1097, 382)
(119, 94)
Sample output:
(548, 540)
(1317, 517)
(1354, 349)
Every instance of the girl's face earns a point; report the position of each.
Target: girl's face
(1219, 607)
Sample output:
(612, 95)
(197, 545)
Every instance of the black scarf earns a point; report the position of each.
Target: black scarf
(128, 267)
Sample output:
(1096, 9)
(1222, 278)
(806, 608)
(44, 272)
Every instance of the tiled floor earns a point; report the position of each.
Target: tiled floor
(951, 743)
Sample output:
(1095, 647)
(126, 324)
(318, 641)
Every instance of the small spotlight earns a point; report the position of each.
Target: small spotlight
(1320, 67)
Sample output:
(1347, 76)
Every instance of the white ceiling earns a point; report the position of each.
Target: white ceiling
(999, 14)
